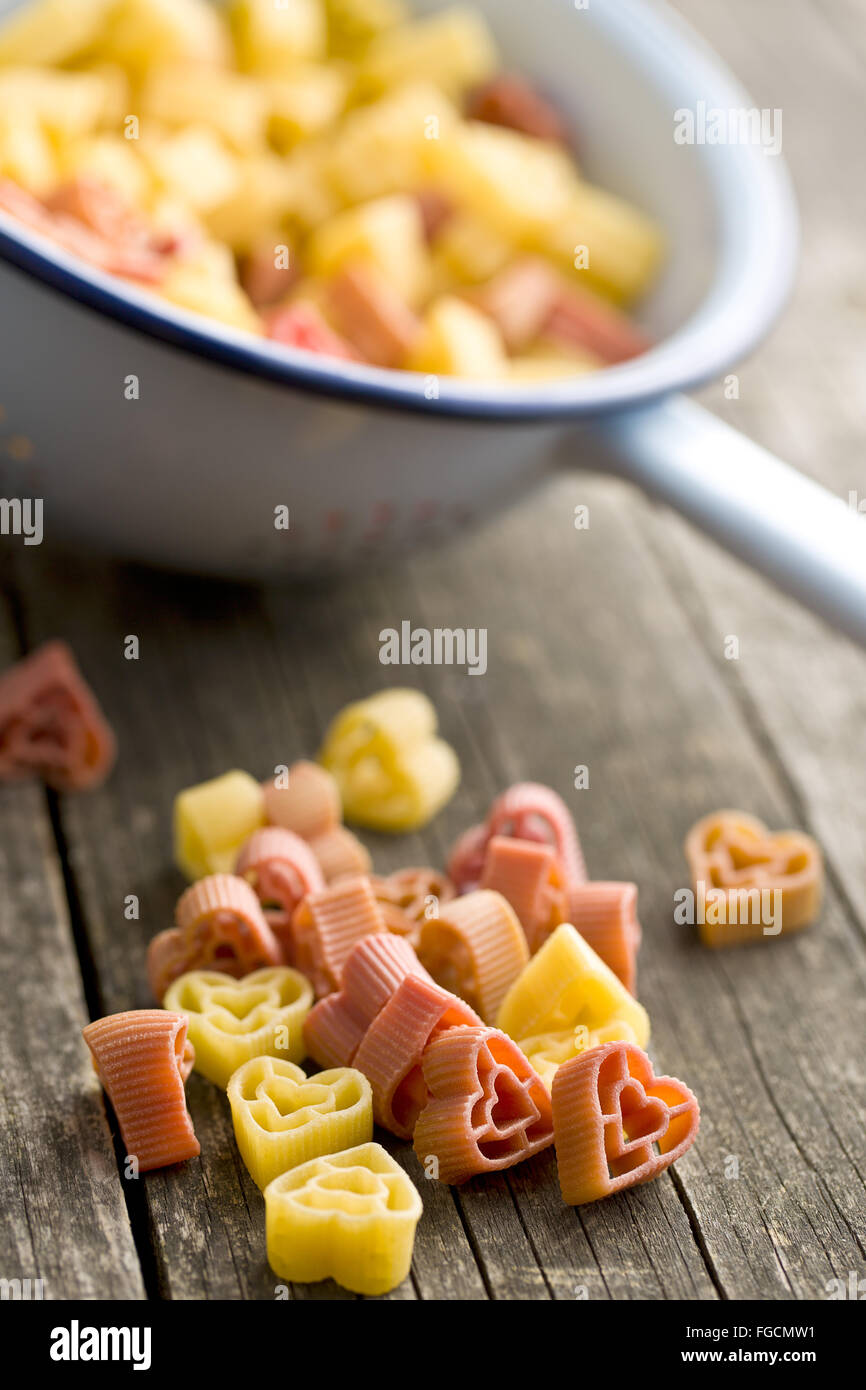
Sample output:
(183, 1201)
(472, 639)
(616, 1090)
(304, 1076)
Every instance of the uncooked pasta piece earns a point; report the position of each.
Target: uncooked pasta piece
(142, 1059)
(530, 877)
(475, 948)
(349, 1216)
(327, 925)
(372, 971)
(50, 723)
(547, 1051)
(231, 1021)
(308, 803)
(616, 1124)
(213, 820)
(409, 896)
(283, 1118)
(751, 883)
(392, 1048)
(393, 772)
(605, 914)
(525, 811)
(219, 926)
(487, 1108)
(466, 860)
(340, 853)
(530, 811)
(282, 869)
(568, 1000)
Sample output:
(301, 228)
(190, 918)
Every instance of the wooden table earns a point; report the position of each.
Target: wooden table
(607, 648)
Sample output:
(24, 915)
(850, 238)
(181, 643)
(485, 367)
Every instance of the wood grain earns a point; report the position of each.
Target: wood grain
(62, 1215)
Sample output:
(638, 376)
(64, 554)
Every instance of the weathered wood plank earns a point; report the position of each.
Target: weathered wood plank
(63, 1219)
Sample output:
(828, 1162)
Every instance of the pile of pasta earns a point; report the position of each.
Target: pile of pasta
(331, 174)
(483, 1013)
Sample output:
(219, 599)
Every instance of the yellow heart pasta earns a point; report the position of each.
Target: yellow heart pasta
(350, 1217)
(282, 1118)
(394, 773)
(231, 1021)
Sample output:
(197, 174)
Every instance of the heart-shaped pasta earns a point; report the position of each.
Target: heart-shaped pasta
(350, 1216)
(328, 924)
(616, 1123)
(391, 1052)
(373, 969)
(143, 1057)
(393, 772)
(231, 1021)
(219, 924)
(487, 1108)
(752, 883)
(50, 723)
(282, 869)
(529, 876)
(283, 1118)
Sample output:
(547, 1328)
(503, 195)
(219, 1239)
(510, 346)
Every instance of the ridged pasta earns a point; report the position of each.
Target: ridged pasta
(373, 969)
(283, 1118)
(328, 924)
(282, 869)
(219, 924)
(529, 877)
(605, 914)
(143, 1058)
(616, 1124)
(487, 1108)
(349, 1216)
(231, 1021)
(393, 1046)
(475, 948)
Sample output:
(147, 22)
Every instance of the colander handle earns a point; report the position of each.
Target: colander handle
(808, 541)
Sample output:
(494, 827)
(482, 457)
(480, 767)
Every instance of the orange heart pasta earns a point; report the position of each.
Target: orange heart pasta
(751, 883)
(374, 968)
(530, 877)
(50, 723)
(282, 869)
(219, 925)
(142, 1059)
(231, 1021)
(475, 948)
(327, 925)
(605, 914)
(616, 1123)
(487, 1107)
(408, 896)
(392, 1049)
